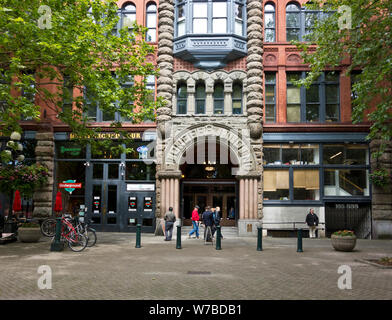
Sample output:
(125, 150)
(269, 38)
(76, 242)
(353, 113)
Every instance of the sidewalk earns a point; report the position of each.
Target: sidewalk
(115, 269)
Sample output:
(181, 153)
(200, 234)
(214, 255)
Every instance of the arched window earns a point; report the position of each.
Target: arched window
(181, 98)
(200, 98)
(151, 22)
(219, 97)
(269, 23)
(128, 16)
(293, 22)
(237, 98)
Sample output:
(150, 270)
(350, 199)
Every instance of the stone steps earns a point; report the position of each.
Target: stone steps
(228, 232)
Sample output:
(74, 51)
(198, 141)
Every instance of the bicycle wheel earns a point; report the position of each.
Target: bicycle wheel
(48, 227)
(77, 242)
(91, 237)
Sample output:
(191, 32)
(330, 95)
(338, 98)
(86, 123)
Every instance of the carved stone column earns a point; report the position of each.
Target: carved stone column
(254, 65)
(165, 61)
(44, 153)
(382, 196)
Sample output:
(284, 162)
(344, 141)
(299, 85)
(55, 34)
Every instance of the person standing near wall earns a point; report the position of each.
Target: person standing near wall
(169, 218)
(312, 221)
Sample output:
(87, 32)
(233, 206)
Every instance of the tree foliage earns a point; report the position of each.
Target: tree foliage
(368, 44)
(71, 43)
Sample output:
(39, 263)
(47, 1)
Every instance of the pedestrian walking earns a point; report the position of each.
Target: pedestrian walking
(208, 222)
(169, 218)
(312, 221)
(195, 222)
(217, 219)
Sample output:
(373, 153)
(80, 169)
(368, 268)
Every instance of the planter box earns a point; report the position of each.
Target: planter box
(346, 243)
(29, 234)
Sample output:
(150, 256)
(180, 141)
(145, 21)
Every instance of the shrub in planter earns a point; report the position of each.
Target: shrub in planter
(343, 240)
(29, 232)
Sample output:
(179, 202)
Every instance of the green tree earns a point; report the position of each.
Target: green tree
(368, 44)
(71, 44)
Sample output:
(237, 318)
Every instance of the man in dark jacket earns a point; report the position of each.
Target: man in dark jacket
(208, 221)
(312, 221)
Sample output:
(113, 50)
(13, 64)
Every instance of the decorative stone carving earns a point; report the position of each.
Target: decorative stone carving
(165, 61)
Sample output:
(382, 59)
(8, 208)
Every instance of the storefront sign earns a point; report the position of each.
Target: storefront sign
(70, 185)
(75, 151)
(140, 187)
(113, 135)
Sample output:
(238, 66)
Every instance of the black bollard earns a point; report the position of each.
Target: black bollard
(260, 239)
(218, 238)
(138, 235)
(299, 240)
(178, 244)
(56, 244)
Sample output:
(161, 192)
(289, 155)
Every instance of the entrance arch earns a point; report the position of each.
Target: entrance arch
(237, 141)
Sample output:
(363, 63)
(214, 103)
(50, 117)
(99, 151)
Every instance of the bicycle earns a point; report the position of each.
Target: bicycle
(84, 228)
(48, 229)
(76, 241)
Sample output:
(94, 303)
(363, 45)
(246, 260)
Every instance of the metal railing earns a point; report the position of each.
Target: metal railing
(294, 224)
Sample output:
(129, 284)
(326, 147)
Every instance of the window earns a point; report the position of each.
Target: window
(29, 92)
(270, 97)
(150, 85)
(276, 184)
(347, 154)
(211, 17)
(219, 96)
(126, 84)
(306, 184)
(237, 98)
(319, 103)
(293, 99)
(291, 154)
(200, 98)
(239, 19)
(151, 22)
(128, 16)
(293, 22)
(182, 98)
(346, 182)
(219, 17)
(269, 23)
(200, 17)
(293, 172)
(300, 22)
(180, 20)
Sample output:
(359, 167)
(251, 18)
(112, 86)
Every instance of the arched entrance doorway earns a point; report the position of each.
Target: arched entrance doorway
(207, 179)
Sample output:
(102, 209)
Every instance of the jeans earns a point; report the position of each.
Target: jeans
(169, 230)
(195, 225)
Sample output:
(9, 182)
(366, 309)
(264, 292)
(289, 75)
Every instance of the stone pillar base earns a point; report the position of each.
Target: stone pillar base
(382, 229)
(247, 227)
(159, 227)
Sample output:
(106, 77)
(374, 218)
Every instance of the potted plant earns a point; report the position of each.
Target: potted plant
(343, 240)
(29, 232)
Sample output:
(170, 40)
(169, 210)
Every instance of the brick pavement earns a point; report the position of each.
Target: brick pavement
(115, 269)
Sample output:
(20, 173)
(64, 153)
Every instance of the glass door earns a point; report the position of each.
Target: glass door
(104, 196)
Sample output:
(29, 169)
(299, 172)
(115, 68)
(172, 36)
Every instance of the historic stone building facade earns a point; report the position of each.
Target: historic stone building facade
(234, 132)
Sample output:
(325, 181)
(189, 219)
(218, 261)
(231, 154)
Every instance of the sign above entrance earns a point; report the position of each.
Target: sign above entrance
(113, 135)
(70, 185)
(140, 187)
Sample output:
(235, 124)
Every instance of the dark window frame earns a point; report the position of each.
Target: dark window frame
(273, 12)
(322, 83)
(270, 84)
(321, 166)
